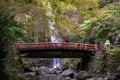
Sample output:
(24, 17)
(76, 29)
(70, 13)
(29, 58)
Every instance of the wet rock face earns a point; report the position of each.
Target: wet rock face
(44, 70)
(48, 62)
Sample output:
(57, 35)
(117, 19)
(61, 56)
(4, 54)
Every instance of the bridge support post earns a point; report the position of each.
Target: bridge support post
(84, 63)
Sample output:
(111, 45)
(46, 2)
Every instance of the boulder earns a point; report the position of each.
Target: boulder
(100, 79)
(34, 69)
(91, 79)
(67, 78)
(82, 75)
(52, 77)
(68, 72)
(44, 70)
(30, 74)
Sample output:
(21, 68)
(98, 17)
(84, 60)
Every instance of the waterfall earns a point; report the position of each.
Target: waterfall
(56, 62)
(53, 38)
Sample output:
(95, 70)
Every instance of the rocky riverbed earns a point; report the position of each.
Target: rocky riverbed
(45, 73)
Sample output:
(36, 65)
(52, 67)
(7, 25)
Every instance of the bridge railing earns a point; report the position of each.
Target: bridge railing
(56, 45)
(117, 45)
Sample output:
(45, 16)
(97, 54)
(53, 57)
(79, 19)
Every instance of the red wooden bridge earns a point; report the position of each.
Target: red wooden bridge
(59, 49)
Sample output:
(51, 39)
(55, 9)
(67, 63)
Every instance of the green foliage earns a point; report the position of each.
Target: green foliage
(99, 62)
(114, 60)
(71, 62)
(102, 3)
(104, 61)
(114, 8)
(19, 21)
(2, 71)
(102, 29)
(10, 30)
(71, 37)
(68, 14)
(87, 8)
(12, 65)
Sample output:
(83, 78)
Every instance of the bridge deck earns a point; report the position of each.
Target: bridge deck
(61, 50)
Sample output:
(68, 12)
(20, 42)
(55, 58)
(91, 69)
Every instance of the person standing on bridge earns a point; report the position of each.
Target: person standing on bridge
(107, 45)
(101, 45)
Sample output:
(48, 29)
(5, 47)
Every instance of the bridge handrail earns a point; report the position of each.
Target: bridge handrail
(58, 44)
(116, 45)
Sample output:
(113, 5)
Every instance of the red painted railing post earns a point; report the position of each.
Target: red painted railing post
(56, 45)
(62, 44)
(96, 47)
(26, 45)
(85, 46)
(46, 44)
(16, 45)
(66, 44)
(36, 45)
(76, 45)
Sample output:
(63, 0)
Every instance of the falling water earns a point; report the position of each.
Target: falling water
(56, 62)
(53, 38)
